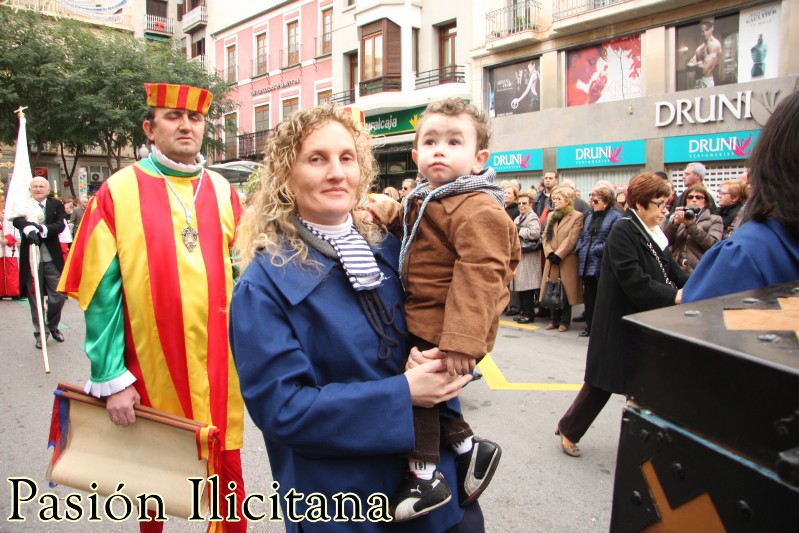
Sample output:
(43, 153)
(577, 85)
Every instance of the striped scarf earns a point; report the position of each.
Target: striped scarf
(356, 257)
(483, 182)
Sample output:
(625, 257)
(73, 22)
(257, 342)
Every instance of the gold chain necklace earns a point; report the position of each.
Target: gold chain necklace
(189, 234)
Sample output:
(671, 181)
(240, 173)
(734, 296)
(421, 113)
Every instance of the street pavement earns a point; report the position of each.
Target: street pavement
(531, 378)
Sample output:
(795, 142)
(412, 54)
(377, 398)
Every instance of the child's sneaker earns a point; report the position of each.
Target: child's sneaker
(476, 468)
(418, 497)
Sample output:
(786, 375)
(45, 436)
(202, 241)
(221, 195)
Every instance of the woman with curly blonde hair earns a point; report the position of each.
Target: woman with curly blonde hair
(318, 334)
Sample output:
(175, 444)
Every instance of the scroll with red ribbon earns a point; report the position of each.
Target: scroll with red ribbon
(158, 454)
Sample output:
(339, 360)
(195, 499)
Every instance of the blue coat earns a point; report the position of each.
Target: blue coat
(335, 417)
(590, 247)
(757, 255)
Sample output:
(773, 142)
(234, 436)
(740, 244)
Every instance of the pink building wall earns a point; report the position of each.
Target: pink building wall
(305, 81)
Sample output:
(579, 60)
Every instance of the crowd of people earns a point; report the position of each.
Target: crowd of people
(421, 275)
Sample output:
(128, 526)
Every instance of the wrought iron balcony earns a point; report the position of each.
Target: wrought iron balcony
(324, 45)
(380, 85)
(440, 76)
(344, 97)
(202, 59)
(159, 25)
(196, 18)
(291, 56)
(520, 17)
(260, 66)
(253, 145)
(562, 9)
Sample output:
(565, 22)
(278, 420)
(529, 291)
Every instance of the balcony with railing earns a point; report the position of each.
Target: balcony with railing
(196, 18)
(260, 66)
(440, 76)
(344, 97)
(380, 85)
(572, 16)
(513, 26)
(159, 25)
(202, 59)
(253, 145)
(231, 73)
(291, 56)
(324, 45)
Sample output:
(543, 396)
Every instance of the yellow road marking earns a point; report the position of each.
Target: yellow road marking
(513, 324)
(495, 380)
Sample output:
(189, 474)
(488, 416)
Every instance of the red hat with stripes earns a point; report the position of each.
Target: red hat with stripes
(178, 97)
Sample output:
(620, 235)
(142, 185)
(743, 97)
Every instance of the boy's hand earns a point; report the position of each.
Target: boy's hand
(459, 364)
(418, 357)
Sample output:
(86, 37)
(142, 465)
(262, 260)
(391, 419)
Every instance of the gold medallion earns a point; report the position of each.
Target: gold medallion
(190, 238)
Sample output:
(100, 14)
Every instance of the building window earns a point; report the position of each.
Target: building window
(323, 97)
(156, 7)
(231, 130)
(446, 51)
(230, 76)
(262, 118)
(372, 53)
(292, 43)
(290, 105)
(415, 50)
(198, 48)
(327, 32)
(260, 54)
(353, 74)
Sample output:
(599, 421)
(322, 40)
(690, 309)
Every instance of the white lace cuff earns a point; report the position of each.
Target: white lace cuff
(107, 388)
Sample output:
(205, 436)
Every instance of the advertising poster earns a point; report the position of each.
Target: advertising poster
(514, 89)
(604, 72)
(707, 53)
(758, 43)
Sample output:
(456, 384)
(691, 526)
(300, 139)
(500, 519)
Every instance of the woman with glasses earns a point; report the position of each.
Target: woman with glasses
(563, 228)
(527, 279)
(638, 274)
(598, 223)
(732, 197)
(693, 229)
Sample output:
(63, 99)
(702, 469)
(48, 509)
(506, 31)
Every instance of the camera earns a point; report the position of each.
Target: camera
(691, 213)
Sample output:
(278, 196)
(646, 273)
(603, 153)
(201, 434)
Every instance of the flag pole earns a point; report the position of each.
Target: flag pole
(34, 260)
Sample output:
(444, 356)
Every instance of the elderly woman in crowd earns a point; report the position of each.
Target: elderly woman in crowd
(638, 274)
(511, 200)
(318, 334)
(693, 229)
(560, 246)
(528, 274)
(732, 197)
(598, 223)
(765, 249)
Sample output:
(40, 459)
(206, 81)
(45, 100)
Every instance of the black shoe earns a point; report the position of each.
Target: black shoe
(57, 335)
(511, 311)
(475, 469)
(524, 319)
(38, 343)
(580, 318)
(584, 333)
(418, 497)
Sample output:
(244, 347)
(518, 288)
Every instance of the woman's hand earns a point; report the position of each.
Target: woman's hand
(678, 297)
(430, 385)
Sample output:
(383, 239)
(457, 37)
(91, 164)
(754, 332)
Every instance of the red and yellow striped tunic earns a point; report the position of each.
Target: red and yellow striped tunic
(152, 307)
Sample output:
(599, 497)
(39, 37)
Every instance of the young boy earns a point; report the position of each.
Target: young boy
(459, 251)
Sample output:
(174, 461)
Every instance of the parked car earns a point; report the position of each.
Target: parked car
(236, 172)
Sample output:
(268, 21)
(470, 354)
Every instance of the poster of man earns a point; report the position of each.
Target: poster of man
(604, 72)
(759, 42)
(707, 53)
(514, 89)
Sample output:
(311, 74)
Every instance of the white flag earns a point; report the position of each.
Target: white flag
(18, 199)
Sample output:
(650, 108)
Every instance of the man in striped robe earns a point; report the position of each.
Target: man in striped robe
(150, 266)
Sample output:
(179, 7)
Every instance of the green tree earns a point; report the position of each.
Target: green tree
(86, 87)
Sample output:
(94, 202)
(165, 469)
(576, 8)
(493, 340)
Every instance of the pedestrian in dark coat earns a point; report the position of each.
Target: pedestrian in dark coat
(638, 274)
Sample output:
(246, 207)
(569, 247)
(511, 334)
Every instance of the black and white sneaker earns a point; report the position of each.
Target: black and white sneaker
(418, 497)
(476, 468)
